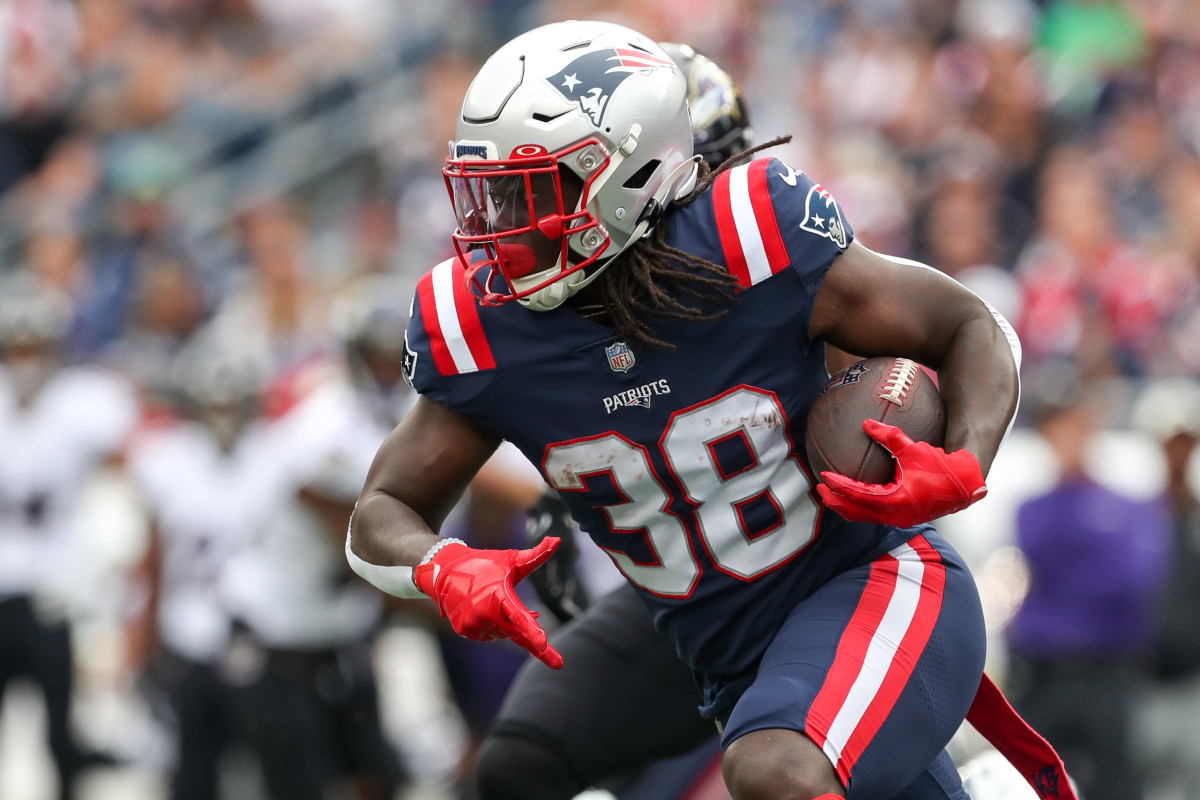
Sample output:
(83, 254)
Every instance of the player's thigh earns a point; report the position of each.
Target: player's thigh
(621, 700)
(939, 781)
(878, 667)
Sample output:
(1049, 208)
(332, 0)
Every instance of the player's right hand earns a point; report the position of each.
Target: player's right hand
(475, 590)
(929, 483)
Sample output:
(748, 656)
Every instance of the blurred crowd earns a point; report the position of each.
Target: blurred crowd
(212, 213)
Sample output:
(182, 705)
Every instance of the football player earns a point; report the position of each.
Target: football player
(59, 423)
(651, 334)
(623, 699)
(209, 482)
(313, 709)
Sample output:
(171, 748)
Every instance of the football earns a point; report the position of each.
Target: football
(895, 391)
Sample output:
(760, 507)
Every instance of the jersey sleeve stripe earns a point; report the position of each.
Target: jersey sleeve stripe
(471, 325)
(728, 232)
(451, 318)
(764, 211)
(433, 329)
(447, 314)
(747, 225)
(895, 647)
(746, 222)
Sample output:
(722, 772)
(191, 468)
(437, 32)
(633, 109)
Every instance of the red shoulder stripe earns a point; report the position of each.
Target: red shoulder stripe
(450, 315)
(727, 230)
(471, 325)
(764, 212)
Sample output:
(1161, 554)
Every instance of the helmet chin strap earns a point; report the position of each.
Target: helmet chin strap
(554, 295)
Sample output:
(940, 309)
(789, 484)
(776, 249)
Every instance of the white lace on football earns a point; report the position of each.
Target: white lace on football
(900, 380)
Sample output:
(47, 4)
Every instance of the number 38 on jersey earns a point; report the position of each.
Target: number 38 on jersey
(745, 418)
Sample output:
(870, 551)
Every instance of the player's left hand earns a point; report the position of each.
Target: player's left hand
(929, 483)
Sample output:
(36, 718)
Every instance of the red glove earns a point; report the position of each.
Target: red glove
(930, 483)
(474, 590)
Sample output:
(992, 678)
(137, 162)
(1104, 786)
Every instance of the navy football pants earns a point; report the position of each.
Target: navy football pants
(878, 667)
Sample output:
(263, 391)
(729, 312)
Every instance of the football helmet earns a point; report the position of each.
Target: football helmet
(35, 321)
(32, 314)
(720, 117)
(571, 139)
(219, 386)
(370, 318)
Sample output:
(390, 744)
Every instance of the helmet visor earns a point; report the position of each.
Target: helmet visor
(515, 212)
(489, 200)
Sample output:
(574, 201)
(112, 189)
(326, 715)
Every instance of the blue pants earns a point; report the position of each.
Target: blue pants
(878, 667)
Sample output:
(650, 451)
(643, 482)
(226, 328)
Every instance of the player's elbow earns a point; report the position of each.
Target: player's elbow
(367, 521)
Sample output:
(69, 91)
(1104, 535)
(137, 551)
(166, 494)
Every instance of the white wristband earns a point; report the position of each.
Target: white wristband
(396, 580)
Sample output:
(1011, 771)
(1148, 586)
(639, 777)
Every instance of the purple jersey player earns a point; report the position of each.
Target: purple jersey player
(651, 335)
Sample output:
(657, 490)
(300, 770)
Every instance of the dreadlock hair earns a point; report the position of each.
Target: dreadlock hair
(653, 275)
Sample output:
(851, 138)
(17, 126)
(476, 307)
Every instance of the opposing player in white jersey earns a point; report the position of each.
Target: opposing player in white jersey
(210, 482)
(313, 708)
(58, 424)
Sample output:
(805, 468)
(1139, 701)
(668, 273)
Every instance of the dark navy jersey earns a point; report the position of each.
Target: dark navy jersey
(685, 465)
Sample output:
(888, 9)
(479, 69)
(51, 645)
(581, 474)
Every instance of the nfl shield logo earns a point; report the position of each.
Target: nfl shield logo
(620, 358)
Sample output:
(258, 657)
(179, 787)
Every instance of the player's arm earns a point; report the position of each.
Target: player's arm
(419, 474)
(333, 512)
(872, 305)
(142, 633)
(417, 477)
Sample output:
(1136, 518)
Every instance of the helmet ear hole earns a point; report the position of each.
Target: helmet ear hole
(638, 179)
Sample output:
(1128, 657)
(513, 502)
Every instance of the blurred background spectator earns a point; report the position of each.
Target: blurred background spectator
(1081, 642)
(1169, 411)
(226, 168)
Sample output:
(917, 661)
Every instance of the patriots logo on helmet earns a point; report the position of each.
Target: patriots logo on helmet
(591, 79)
(823, 217)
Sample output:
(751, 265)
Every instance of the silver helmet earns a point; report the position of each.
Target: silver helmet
(590, 107)
(219, 385)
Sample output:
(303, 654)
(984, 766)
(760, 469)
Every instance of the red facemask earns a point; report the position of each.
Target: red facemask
(514, 212)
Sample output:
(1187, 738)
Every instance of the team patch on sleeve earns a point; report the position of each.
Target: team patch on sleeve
(450, 315)
(823, 216)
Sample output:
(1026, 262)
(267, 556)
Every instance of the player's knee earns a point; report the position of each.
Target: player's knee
(516, 768)
(778, 765)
